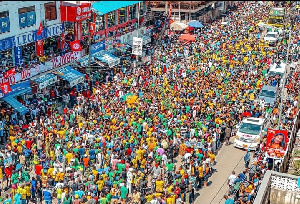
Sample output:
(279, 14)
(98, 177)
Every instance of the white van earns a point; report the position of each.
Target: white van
(276, 69)
(249, 133)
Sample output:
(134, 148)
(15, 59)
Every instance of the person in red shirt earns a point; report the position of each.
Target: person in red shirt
(38, 168)
(86, 160)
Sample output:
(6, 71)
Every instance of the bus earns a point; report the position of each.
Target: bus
(276, 17)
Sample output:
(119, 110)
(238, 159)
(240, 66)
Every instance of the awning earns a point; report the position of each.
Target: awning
(16, 105)
(108, 58)
(103, 7)
(16, 90)
(73, 76)
(45, 80)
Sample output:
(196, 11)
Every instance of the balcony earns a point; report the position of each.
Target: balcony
(278, 188)
(185, 6)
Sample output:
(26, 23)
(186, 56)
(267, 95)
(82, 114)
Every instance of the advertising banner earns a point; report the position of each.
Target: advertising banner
(276, 142)
(97, 47)
(31, 18)
(30, 37)
(23, 20)
(74, 14)
(18, 56)
(4, 25)
(67, 58)
(39, 48)
(137, 46)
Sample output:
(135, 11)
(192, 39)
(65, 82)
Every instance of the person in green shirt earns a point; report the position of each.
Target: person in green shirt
(124, 192)
(170, 166)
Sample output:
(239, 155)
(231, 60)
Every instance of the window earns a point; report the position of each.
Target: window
(111, 18)
(132, 12)
(123, 15)
(50, 11)
(4, 22)
(99, 23)
(27, 16)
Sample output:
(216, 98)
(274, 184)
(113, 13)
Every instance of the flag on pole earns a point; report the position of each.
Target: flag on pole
(75, 45)
(40, 30)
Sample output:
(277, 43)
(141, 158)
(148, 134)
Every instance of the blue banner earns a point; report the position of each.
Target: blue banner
(4, 25)
(18, 56)
(31, 18)
(23, 20)
(30, 37)
(97, 47)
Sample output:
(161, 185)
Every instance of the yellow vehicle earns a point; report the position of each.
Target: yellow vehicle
(276, 17)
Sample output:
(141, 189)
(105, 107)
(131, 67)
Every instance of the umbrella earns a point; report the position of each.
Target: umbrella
(195, 24)
(161, 151)
(178, 26)
(187, 37)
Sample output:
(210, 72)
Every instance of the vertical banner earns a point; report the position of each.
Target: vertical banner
(137, 46)
(277, 141)
(5, 87)
(39, 48)
(18, 56)
(91, 28)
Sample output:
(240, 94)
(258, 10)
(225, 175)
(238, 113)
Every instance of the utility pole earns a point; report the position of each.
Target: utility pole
(89, 62)
(284, 76)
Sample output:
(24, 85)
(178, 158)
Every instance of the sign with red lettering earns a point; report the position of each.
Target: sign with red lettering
(75, 13)
(6, 87)
(67, 58)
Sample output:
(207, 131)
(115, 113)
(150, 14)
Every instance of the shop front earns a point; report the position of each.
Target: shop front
(76, 17)
(116, 18)
(22, 47)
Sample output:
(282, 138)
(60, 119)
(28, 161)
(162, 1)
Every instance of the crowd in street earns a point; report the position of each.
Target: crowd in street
(151, 134)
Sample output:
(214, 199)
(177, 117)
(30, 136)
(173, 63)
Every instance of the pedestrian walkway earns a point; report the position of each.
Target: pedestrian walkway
(228, 159)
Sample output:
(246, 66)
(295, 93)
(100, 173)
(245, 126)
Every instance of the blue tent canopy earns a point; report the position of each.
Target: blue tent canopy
(103, 7)
(46, 80)
(16, 104)
(73, 76)
(108, 58)
(195, 24)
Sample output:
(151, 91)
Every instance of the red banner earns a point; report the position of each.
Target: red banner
(75, 45)
(10, 73)
(75, 13)
(276, 142)
(91, 28)
(40, 30)
(5, 87)
(39, 48)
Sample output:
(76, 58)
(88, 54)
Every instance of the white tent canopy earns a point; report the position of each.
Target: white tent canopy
(178, 26)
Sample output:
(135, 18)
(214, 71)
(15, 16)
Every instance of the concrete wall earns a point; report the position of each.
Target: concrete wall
(283, 197)
(13, 6)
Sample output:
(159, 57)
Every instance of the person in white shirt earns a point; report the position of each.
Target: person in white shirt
(230, 182)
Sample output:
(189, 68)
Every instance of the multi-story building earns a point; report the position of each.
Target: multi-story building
(186, 11)
(19, 23)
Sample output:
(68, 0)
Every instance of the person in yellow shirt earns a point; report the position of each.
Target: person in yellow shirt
(59, 193)
(69, 156)
(28, 192)
(149, 197)
(159, 186)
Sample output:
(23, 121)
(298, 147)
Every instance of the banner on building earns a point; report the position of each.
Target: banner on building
(18, 56)
(97, 47)
(74, 14)
(91, 28)
(23, 20)
(31, 18)
(5, 87)
(277, 141)
(4, 24)
(67, 58)
(137, 46)
(75, 45)
(39, 48)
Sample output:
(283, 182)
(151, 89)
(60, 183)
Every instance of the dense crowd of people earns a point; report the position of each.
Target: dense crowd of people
(119, 141)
